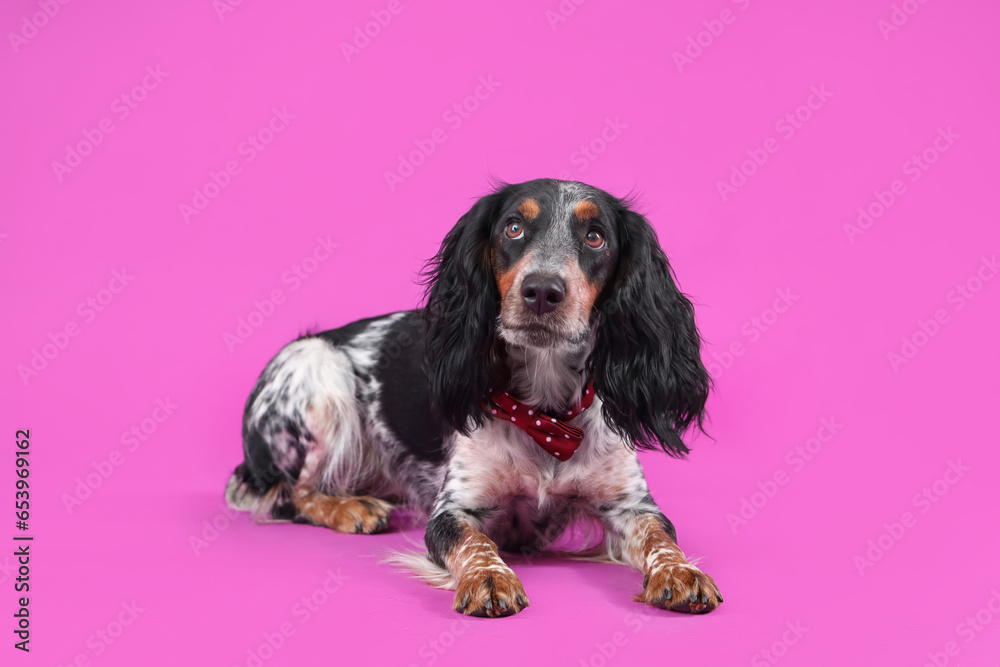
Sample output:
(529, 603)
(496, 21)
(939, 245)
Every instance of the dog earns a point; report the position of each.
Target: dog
(554, 344)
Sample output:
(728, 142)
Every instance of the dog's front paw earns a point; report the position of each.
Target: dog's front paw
(680, 587)
(490, 591)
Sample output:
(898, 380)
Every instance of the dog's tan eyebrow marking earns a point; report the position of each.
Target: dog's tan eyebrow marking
(586, 210)
(529, 209)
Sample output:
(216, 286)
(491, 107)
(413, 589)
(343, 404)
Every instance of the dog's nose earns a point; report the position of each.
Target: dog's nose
(542, 294)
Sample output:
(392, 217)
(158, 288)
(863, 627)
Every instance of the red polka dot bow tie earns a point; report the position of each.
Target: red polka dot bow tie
(553, 434)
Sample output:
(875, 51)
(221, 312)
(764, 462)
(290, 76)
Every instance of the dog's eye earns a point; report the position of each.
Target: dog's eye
(515, 229)
(594, 239)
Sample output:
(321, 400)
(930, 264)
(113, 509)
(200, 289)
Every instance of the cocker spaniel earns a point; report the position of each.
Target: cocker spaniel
(553, 345)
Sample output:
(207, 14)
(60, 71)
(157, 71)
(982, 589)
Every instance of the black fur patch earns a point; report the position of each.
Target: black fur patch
(444, 532)
(668, 526)
(405, 391)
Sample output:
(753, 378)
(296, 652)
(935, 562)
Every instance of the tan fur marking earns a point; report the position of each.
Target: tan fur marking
(652, 537)
(670, 580)
(529, 208)
(486, 586)
(356, 514)
(586, 210)
(581, 289)
(473, 550)
(506, 279)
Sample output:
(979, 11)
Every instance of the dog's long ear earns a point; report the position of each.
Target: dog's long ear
(646, 362)
(463, 357)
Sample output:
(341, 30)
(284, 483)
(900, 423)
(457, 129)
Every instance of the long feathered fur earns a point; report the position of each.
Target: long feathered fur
(463, 355)
(647, 363)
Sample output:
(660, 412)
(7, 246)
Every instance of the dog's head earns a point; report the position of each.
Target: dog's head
(560, 264)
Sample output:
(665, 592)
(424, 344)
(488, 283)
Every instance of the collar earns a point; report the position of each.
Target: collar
(554, 435)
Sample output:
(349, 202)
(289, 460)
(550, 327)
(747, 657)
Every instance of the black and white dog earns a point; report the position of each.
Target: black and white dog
(553, 345)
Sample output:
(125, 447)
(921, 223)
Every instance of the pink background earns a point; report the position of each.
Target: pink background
(675, 131)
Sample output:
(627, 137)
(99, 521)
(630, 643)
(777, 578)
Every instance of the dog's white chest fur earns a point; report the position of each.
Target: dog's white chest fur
(502, 463)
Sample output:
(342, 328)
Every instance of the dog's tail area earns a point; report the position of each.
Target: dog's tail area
(417, 563)
(238, 496)
(265, 500)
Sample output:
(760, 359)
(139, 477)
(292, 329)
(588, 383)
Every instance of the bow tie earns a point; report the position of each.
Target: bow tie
(550, 431)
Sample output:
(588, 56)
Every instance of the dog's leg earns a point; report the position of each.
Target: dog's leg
(486, 586)
(306, 457)
(352, 514)
(344, 512)
(645, 539)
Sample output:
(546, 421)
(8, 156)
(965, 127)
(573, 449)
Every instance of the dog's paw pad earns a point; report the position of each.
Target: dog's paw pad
(492, 592)
(682, 588)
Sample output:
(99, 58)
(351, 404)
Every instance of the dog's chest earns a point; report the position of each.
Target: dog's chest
(500, 463)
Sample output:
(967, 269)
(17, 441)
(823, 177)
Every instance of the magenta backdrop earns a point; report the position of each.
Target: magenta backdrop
(822, 176)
